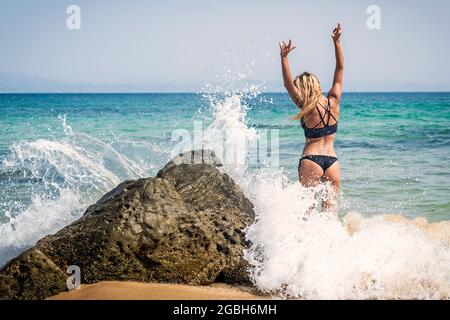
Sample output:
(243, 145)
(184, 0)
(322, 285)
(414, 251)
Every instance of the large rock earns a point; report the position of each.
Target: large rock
(183, 226)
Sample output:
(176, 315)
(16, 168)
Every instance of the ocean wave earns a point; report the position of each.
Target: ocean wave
(293, 253)
(325, 257)
(57, 180)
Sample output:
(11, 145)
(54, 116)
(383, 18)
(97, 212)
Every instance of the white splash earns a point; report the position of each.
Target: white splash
(319, 258)
(324, 257)
(228, 134)
(69, 174)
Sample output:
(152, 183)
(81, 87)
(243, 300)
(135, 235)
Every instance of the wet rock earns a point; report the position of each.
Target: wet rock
(182, 226)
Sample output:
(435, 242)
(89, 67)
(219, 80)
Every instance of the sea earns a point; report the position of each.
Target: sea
(59, 153)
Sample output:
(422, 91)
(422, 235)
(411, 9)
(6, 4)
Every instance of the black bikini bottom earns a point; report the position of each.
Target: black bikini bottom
(323, 161)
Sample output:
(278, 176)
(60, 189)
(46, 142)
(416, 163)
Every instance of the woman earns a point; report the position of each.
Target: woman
(319, 117)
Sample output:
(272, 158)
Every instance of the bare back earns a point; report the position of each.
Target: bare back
(318, 119)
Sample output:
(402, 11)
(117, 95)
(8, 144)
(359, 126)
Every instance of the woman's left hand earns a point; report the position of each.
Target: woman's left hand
(286, 48)
(337, 33)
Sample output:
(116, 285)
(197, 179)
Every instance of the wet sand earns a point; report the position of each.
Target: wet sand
(116, 290)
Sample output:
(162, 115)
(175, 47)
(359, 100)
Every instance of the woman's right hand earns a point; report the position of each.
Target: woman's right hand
(286, 48)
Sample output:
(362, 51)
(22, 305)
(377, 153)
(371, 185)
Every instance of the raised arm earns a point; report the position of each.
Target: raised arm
(336, 89)
(285, 49)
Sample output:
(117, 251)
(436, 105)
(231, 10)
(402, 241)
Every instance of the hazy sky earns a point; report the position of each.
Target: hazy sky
(188, 43)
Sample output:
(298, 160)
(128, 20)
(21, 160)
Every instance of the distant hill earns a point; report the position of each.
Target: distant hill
(11, 82)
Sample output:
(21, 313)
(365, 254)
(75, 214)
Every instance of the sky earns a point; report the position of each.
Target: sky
(184, 45)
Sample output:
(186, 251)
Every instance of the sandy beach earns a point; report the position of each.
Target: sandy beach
(116, 290)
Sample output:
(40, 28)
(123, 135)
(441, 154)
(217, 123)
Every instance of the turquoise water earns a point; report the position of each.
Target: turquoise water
(61, 152)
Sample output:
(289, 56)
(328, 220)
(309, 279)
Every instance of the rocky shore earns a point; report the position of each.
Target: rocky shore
(183, 226)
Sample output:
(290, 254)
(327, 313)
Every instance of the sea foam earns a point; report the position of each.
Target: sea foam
(292, 254)
(66, 176)
(298, 254)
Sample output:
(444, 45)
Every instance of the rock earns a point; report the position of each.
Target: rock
(31, 276)
(182, 226)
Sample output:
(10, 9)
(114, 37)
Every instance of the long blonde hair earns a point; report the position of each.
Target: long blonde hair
(310, 92)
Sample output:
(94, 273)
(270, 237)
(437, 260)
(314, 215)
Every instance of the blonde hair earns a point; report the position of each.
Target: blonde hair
(310, 92)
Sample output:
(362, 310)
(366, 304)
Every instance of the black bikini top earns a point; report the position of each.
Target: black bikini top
(326, 130)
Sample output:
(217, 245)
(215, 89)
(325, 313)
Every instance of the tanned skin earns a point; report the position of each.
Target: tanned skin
(310, 173)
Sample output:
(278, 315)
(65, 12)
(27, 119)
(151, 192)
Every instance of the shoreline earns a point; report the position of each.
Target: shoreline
(118, 290)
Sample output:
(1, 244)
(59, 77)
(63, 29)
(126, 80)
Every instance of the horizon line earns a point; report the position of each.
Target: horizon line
(200, 92)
